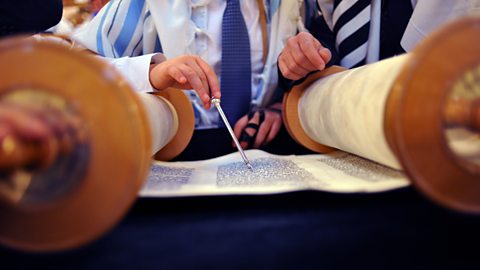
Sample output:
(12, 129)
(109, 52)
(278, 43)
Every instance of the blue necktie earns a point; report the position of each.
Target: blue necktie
(351, 25)
(236, 68)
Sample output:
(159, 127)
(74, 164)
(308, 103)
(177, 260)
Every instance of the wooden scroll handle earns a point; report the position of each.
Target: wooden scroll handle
(463, 113)
(85, 105)
(33, 138)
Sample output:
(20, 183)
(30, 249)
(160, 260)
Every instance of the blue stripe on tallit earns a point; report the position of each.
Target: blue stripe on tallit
(136, 45)
(129, 25)
(273, 7)
(99, 30)
(111, 26)
(158, 45)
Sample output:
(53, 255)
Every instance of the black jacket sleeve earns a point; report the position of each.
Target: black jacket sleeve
(28, 16)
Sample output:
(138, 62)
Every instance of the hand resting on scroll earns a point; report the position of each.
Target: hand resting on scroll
(301, 55)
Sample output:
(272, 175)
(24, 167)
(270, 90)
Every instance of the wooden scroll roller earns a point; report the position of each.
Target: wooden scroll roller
(419, 112)
(69, 187)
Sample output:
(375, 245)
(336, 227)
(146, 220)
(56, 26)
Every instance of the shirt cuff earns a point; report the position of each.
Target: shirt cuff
(136, 70)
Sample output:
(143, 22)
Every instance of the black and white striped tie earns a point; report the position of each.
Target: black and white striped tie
(351, 24)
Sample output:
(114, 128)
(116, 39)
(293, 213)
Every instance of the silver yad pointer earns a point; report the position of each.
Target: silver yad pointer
(216, 102)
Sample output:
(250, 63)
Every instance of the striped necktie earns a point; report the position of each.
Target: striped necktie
(351, 24)
(236, 67)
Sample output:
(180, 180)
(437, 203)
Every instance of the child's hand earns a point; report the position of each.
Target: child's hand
(186, 72)
(302, 54)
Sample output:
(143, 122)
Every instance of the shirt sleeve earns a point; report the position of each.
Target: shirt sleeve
(135, 69)
(118, 34)
(428, 15)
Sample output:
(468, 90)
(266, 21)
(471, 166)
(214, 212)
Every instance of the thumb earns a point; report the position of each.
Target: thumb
(325, 54)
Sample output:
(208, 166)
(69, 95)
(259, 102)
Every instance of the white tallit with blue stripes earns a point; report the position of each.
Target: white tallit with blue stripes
(126, 28)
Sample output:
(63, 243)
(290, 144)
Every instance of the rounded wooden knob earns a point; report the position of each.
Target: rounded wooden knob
(462, 112)
(94, 160)
(32, 137)
(430, 98)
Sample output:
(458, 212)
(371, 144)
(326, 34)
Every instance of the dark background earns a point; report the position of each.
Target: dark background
(28, 16)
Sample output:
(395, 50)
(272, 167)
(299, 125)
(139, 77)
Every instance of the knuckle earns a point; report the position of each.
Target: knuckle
(197, 59)
(300, 58)
(303, 35)
(202, 76)
(291, 41)
(292, 65)
(288, 74)
(171, 69)
(306, 46)
(189, 72)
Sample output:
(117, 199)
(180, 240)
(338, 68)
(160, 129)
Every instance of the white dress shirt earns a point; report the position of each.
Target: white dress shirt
(126, 33)
(429, 15)
(207, 19)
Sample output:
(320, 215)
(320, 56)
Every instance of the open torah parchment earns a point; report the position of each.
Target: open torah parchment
(227, 175)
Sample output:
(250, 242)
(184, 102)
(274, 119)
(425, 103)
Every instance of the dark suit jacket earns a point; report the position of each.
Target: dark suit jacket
(28, 16)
